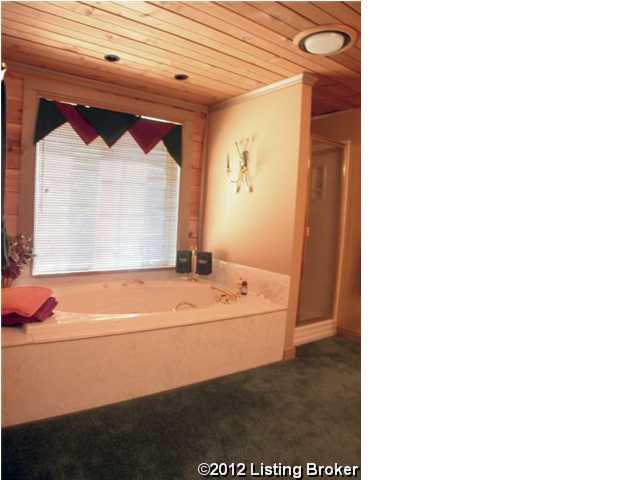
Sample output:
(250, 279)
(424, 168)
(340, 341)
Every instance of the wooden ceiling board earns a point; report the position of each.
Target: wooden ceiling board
(226, 48)
(238, 13)
(62, 53)
(142, 64)
(145, 38)
(342, 12)
(23, 16)
(194, 32)
(45, 62)
(311, 12)
(355, 6)
(289, 19)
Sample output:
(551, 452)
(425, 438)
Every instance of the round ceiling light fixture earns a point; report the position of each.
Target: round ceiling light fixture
(111, 57)
(181, 76)
(326, 39)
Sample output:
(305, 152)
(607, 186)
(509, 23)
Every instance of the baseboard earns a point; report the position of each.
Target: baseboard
(289, 353)
(349, 334)
(314, 332)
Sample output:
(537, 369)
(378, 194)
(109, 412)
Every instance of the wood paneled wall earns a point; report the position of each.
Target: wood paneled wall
(14, 87)
(196, 178)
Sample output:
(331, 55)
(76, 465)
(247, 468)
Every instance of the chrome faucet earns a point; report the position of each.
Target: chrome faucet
(194, 260)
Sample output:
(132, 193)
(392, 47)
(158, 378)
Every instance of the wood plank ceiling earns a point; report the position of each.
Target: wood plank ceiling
(226, 48)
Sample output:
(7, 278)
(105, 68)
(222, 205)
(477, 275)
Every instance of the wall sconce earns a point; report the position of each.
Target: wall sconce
(242, 147)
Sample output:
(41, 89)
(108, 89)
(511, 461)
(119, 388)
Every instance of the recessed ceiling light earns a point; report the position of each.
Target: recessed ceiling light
(181, 76)
(110, 57)
(326, 39)
(324, 43)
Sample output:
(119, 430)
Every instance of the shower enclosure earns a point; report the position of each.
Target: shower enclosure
(319, 286)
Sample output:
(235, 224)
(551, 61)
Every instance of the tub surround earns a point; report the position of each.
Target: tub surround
(274, 286)
(65, 280)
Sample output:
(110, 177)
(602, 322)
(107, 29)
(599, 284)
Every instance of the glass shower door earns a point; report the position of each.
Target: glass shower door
(322, 234)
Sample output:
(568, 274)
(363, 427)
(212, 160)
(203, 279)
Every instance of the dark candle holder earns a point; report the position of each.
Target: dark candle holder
(204, 263)
(183, 261)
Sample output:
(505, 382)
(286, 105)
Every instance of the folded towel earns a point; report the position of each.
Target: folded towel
(44, 312)
(25, 301)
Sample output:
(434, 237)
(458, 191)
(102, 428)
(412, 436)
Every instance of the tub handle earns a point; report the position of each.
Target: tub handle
(184, 304)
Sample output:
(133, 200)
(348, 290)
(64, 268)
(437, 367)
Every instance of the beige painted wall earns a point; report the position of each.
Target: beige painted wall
(255, 229)
(345, 126)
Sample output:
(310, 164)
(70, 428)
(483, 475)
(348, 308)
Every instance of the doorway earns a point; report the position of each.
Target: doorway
(322, 251)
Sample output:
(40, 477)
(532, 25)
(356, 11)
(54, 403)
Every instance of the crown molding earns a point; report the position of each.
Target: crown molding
(304, 78)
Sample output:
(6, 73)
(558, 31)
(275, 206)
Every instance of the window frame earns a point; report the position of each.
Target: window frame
(36, 88)
(78, 148)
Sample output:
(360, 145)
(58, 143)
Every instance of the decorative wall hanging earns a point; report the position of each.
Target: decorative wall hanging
(242, 147)
(90, 122)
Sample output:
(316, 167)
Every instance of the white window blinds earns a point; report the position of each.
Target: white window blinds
(102, 209)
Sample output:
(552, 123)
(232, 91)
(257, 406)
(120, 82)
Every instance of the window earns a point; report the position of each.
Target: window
(102, 209)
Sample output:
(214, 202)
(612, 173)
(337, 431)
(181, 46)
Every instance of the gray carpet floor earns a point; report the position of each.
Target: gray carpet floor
(304, 410)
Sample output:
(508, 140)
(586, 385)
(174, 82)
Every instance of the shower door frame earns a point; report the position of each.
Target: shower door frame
(344, 208)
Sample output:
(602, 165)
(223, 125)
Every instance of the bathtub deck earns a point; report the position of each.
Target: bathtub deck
(67, 326)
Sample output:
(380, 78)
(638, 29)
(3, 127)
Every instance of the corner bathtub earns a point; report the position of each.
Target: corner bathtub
(117, 340)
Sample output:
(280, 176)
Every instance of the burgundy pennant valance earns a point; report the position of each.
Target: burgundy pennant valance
(83, 128)
(147, 133)
(90, 122)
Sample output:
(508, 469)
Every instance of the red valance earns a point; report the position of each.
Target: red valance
(147, 133)
(90, 122)
(83, 128)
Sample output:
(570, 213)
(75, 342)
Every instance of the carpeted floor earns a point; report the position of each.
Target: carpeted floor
(305, 410)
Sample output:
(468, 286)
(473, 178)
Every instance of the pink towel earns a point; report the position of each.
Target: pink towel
(25, 301)
(44, 312)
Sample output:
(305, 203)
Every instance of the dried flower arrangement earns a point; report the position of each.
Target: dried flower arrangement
(20, 252)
